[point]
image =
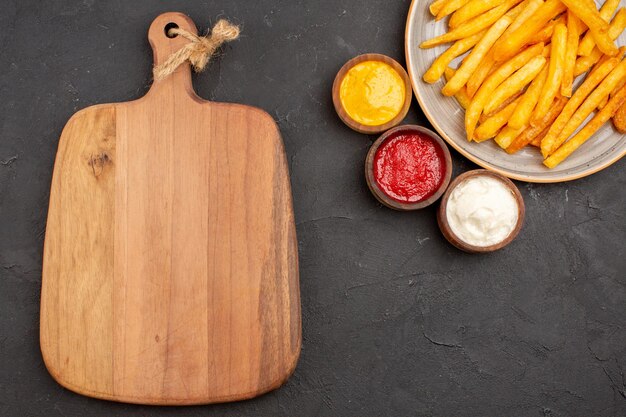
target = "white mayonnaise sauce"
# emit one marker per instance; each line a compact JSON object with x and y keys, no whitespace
{"x":482,"y":211}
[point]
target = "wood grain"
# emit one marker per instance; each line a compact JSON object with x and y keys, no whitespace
{"x":170,"y":264}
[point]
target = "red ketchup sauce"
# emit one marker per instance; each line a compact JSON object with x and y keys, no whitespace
{"x":409,"y":167}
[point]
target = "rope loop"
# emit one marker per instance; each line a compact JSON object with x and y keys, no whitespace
{"x":199,"y":50}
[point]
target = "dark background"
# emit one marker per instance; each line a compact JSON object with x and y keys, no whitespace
{"x":396,"y":322}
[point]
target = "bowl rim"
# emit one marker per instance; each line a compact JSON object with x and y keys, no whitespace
{"x":446,"y":230}
{"x":343,"y":114}
{"x":380,"y":195}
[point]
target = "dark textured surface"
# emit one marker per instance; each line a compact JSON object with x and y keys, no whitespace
{"x":396,"y":322}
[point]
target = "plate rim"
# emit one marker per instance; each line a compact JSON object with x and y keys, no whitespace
{"x":484,"y":164}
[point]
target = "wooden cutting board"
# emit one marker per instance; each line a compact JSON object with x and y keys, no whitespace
{"x":170,"y":270}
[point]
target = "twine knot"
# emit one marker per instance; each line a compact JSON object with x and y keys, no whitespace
{"x":199,"y":50}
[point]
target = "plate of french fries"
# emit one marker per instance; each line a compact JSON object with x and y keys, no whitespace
{"x":532,"y":89}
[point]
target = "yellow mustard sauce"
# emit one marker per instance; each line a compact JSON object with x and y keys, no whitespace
{"x":372,"y":93}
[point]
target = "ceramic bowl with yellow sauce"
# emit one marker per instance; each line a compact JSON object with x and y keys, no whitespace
{"x":372,"y":93}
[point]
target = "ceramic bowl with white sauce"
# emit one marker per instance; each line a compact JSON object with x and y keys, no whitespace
{"x":481,"y":211}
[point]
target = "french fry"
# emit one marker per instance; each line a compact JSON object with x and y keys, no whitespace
{"x":619,"y":87}
{"x":549,"y":143}
{"x":620,"y":55}
{"x":515,"y":83}
{"x":591,"y":3}
{"x":516,"y":40}
{"x":601,"y":61}
{"x":545,"y":34}
{"x":606,"y":12}
{"x":472,"y":9}
{"x":471,"y":27}
{"x":529,"y":9}
{"x":450,"y":7}
{"x":583,"y":26}
{"x":436,"y":6}
{"x":588,"y":106}
{"x":472,"y":61}
{"x":505,"y":103}
{"x":586,"y":132}
{"x":598,"y":27}
{"x":604,"y":101}
{"x":515,"y":11}
{"x":618,"y":24}
{"x":492,"y":125}
{"x":461,"y":97}
{"x":440,"y":64}
{"x":584,"y":63}
{"x":573,"y":35}
{"x":507,"y":135}
{"x":619,"y":119}
{"x":525,"y":107}
{"x":486,"y":116}
{"x":492,"y":82}
{"x":487,"y":65}
{"x":536,"y":142}
{"x":612,"y":94}
{"x":555,"y":74}
{"x":532,"y":132}
{"x":485,"y":68}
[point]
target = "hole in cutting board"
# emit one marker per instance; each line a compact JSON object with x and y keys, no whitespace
{"x":169,"y":26}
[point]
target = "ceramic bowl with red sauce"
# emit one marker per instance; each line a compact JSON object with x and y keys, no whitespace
{"x":408,"y":168}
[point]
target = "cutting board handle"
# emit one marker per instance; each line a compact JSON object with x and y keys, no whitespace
{"x":163,"y":46}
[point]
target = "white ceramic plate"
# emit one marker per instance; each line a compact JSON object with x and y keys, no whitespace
{"x":604,"y":148}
